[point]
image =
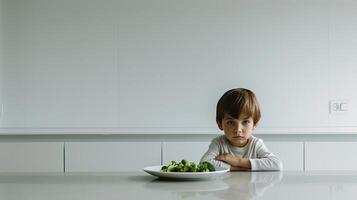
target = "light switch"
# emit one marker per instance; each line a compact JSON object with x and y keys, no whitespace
{"x":338,"y":106}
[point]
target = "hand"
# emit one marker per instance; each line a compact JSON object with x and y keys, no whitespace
{"x":235,"y":161}
{"x":230,"y":159}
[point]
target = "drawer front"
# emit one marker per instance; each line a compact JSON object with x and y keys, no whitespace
{"x":31,"y":157}
{"x":111,"y":156}
{"x":331,"y":156}
{"x":290,"y":153}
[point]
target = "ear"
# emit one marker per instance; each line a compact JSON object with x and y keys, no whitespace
{"x":255,"y":125}
{"x":220,"y":126}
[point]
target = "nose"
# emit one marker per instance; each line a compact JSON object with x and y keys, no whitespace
{"x":238,"y":129}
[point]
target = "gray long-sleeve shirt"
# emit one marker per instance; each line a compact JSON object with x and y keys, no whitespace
{"x":258,"y":154}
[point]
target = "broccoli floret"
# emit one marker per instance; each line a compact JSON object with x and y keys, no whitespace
{"x":205,"y":167}
{"x":172,"y":168}
{"x":209,"y":166}
{"x":186,"y":166}
{"x":164,"y":168}
{"x":190,"y":167}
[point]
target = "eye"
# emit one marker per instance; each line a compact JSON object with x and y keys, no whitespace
{"x":246,"y":122}
{"x":230,"y":123}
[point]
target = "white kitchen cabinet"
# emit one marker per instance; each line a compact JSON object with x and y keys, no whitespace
{"x":331,"y":155}
{"x":31,"y":157}
{"x":290,"y":153}
{"x":111,"y":156}
{"x":191,"y":151}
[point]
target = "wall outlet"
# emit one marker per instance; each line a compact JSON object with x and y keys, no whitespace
{"x":338,"y":106}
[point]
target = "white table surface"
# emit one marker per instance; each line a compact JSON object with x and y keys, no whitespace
{"x":139,"y":185}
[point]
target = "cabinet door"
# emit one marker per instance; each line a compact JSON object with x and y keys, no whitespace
{"x":191,"y":151}
{"x":31,"y":157}
{"x":111,"y":156}
{"x":290,"y":153}
{"x":331,"y":155}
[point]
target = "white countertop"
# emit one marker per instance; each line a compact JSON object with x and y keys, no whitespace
{"x":139,"y":185}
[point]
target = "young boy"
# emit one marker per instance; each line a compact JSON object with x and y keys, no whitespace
{"x":237,"y":115}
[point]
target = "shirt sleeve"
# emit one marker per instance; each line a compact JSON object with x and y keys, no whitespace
{"x":211,"y":154}
{"x":265,"y":160}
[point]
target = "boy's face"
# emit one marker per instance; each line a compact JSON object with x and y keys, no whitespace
{"x":237,"y":131}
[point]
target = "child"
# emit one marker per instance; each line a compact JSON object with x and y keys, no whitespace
{"x":237,"y":115}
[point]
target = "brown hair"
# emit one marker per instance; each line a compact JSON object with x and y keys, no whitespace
{"x":238,"y":102}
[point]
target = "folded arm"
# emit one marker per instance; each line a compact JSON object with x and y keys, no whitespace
{"x":266,"y":160}
{"x":211,"y":154}
{"x":237,"y":163}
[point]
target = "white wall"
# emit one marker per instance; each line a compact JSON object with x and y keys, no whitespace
{"x":1,"y":65}
{"x":343,"y":46}
{"x":164,"y":64}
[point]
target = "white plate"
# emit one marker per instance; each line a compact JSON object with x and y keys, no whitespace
{"x":156,"y":171}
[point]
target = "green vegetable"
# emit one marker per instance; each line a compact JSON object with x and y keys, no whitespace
{"x":185,"y":166}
